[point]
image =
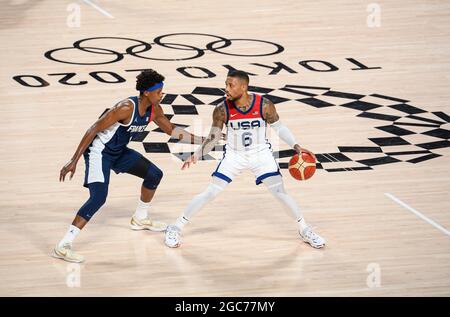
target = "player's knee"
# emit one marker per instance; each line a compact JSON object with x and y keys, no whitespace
{"x":277,"y":190}
{"x":98,"y":193}
{"x":159,"y":174}
{"x":100,"y":199}
{"x":153,"y":177}
{"x":211,"y":192}
{"x":215,"y":192}
{"x":208,"y":195}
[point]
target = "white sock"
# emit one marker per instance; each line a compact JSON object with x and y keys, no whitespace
{"x":141,"y":210}
{"x":181,"y":222}
{"x":301,"y":224}
{"x":69,"y":236}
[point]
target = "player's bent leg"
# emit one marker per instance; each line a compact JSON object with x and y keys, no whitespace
{"x":173,"y":232}
{"x":216,"y":186}
{"x":97,"y":198}
{"x":152,"y":176}
{"x":275,"y":185}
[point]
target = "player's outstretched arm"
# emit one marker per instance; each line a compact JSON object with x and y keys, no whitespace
{"x":119,"y":112}
{"x":219,"y":118}
{"x":171,"y":129}
{"x":272,"y":117}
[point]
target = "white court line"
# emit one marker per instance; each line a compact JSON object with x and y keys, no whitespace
{"x":418,"y":214}
{"x":99,"y":9}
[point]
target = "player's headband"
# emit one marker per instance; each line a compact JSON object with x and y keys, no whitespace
{"x":155,"y":86}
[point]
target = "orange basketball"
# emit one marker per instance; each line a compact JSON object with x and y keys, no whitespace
{"x":302,"y":168}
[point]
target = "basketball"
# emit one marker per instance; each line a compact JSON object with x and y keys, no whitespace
{"x":302,"y":168}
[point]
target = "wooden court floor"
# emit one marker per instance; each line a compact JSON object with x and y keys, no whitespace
{"x":364,"y":85}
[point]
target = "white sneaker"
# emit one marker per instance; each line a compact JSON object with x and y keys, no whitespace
{"x":173,"y":236}
{"x":147,"y":224}
{"x":66,"y":253}
{"x":312,"y":238}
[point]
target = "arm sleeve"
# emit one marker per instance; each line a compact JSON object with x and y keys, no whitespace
{"x":284,"y":133}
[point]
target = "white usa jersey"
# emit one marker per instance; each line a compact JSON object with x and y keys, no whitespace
{"x":246,"y":131}
{"x":247,"y":147}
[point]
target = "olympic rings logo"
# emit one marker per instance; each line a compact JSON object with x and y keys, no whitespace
{"x":218,"y":44}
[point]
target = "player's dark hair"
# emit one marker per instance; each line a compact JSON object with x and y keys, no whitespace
{"x":239,"y":74}
{"x":148,"y":78}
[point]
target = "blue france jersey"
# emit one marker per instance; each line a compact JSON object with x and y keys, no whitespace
{"x":113,"y":140}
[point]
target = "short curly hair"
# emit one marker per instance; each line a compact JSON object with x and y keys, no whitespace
{"x":148,"y":78}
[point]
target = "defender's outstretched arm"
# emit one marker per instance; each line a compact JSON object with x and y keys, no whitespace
{"x":171,"y":129}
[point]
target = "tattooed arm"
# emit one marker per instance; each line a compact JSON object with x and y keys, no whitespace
{"x":272,"y":118}
{"x":219,"y":118}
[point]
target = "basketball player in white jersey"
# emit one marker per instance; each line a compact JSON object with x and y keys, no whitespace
{"x":246,"y":117}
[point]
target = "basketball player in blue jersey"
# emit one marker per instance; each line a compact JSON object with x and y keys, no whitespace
{"x":246,"y":117}
{"x":104,"y":147}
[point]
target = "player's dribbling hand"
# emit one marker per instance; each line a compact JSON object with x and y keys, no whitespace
{"x":71,"y":166}
{"x":190,"y":160}
{"x":299,"y":150}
